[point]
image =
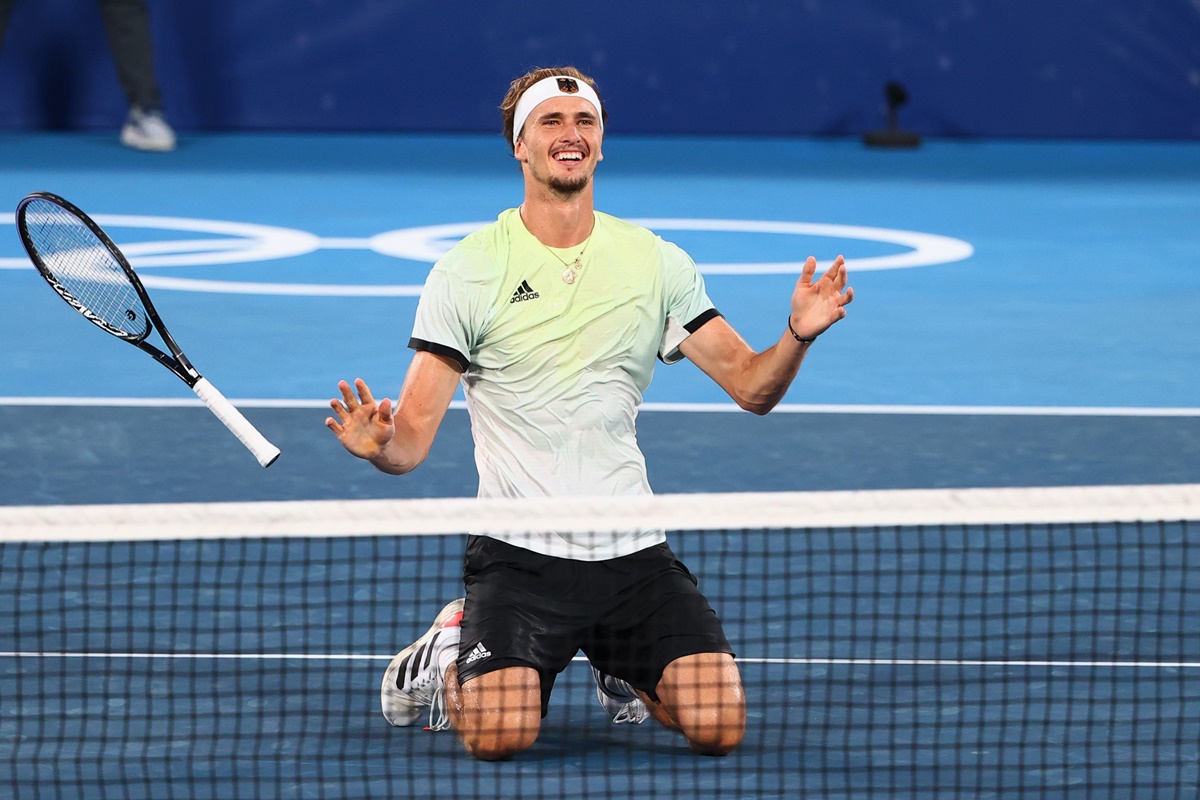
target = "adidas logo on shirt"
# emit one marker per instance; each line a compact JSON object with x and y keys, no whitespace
{"x":524,"y":292}
{"x":477,"y":652}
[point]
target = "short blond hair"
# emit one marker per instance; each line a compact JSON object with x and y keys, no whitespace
{"x":508,"y":108}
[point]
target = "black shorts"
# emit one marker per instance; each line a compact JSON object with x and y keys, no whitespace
{"x":631,"y":616}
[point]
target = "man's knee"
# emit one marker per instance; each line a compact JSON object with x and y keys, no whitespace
{"x":715,"y":738}
{"x":497,"y":745}
{"x":704,"y":696}
{"x":498,"y":714}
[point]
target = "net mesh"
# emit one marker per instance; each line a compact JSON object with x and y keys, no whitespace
{"x":984,"y":658}
{"x":82,"y":269}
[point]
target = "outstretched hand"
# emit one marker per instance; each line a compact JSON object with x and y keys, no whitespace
{"x":363,"y":426}
{"x":818,"y":305}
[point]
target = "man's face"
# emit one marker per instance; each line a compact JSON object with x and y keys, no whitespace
{"x":560,"y":145}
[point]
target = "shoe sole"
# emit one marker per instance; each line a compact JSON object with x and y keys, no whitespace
{"x":389,"y":675}
{"x":146,"y":145}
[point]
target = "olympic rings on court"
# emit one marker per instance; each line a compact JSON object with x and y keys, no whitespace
{"x":244,"y":242}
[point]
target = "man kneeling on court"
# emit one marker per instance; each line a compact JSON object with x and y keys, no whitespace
{"x":552,"y":319}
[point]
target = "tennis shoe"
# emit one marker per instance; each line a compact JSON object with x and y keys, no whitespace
{"x":619,"y":699}
{"x":413,"y":680}
{"x":147,"y":129}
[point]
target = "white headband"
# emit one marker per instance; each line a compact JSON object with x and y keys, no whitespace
{"x":554,"y":86}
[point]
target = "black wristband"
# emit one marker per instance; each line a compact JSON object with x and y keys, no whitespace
{"x":797,"y":336}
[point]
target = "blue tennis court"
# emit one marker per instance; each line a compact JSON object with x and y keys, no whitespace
{"x":1028,"y":311}
{"x":1024,"y":317}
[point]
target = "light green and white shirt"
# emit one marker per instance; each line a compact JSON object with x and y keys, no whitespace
{"x":555,"y":370}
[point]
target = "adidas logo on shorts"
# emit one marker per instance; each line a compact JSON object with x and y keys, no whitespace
{"x":477,"y":652}
{"x":524,"y":292}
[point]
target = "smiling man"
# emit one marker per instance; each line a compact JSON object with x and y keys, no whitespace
{"x":552,"y":319}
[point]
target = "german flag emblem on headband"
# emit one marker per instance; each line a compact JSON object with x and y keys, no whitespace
{"x":547,"y":88}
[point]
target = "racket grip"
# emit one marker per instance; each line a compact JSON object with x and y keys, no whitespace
{"x":255,"y":442}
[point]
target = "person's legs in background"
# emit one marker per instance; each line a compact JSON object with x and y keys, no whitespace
{"x":128,"y":25}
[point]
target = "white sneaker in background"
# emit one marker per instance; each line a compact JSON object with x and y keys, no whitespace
{"x":147,"y":130}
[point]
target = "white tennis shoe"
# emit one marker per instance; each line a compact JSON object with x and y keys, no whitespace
{"x":619,"y":699}
{"x":413,"y":679}
{"x":147,"y":130}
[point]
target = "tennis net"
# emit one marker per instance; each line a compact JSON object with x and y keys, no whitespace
{"x":1007,"y":643}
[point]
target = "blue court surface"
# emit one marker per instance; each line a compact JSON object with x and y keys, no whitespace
{"x":1025,"y":315}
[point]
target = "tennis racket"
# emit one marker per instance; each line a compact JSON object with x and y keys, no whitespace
{"x":87,"y":270}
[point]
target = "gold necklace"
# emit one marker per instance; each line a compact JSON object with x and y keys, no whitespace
{"x":573,"y":268}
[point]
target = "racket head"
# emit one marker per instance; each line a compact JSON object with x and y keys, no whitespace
{"x":85,"y":267}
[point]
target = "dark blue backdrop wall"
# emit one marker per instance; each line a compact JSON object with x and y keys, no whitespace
{"x":994,"y":68}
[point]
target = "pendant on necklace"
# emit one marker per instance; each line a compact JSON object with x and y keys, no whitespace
{"x":569,"y":274}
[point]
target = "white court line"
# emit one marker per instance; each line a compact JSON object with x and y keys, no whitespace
{"x":783,"y":408}
{"x":853,"y":662}
{"x":345,"y":243}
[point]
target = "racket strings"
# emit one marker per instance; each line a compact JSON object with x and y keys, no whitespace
{"x":85,"y":271}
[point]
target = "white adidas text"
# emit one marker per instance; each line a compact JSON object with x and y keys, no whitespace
{"x":477,"y":652}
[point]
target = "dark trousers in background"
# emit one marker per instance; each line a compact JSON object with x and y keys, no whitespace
{"x":128,"y":26}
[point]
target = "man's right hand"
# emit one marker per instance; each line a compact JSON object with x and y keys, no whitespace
{"x":363,"y":426}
